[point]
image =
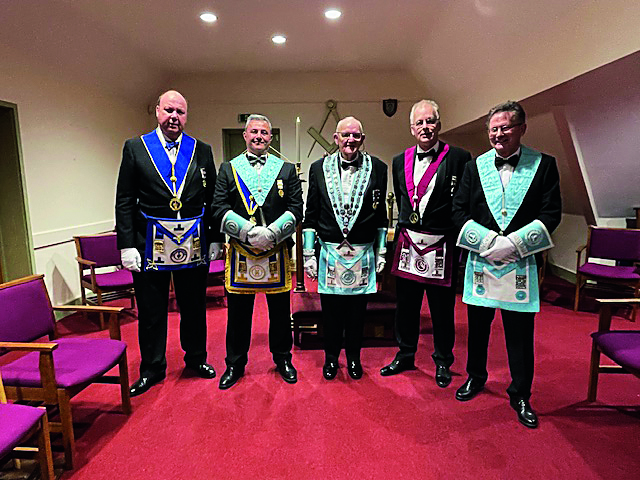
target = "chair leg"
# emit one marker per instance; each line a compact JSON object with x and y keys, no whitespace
{"x":576,"y":300}
{"x":44,"y":450}
{"x":100,"y":315}
{"x":68,"y":437}
{"x":123,"y":370}
{"x":593,"y":373}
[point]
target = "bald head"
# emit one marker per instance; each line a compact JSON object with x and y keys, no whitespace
{"x":349,"y":137}
{"x":171,"y":112}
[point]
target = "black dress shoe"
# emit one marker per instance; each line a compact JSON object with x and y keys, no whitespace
{"x":526,"y":415}
{"x":354,"y":367}
{"x":203,"y":370}
{"x":145,"y":383}
{"x":469,"y":389}
{"x":287,"y":371}
{"x":397,"y":366}
{"x":230,"y":377}
{"x":443,"y":376}
{"x":330,"y":370}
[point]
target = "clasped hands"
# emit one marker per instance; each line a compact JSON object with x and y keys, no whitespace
{"x":261,"y":238}
{"x":502,"y":250}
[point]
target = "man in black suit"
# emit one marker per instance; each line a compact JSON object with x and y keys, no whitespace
{"x":507,"y":206}
{"x":425,"y":178}
{"x":345,"y":211}
{"x":258,"y":203}
{"x":163,"y":203}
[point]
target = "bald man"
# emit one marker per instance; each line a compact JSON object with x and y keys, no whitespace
{"x":163,"y":221}
{"x":346,"y":215}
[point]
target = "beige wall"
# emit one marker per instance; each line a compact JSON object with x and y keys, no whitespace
{"x":71,"y":140}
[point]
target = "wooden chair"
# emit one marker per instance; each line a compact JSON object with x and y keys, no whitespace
{"x":53,"y":372}
{"x":21,"y":423}
{"x":621,"y":346}
{"x":621,"y":245}
{"x":99,"y":252}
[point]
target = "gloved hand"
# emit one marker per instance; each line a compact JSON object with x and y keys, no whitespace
{"x":311,"y":266}
{"x":130,"y":258}
{"x":216,"y":251}
{"x":503,"y":250}
{"x":261,"y":238}
{"x":380,"y":262}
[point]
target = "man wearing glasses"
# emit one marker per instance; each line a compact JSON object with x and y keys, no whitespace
{"x":345,"y":213}
{"x":507,"y":206}
{"x":425,"y":178}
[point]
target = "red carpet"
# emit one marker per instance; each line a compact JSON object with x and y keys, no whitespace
{"x":402,"y":427}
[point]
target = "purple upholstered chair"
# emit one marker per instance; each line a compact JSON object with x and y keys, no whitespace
{"x":20,"y":423}
{"x":53,"y":372}
{"x":621,"y":346}
{"x":619,"y":244}
{"x":216,"y":275}
{"x":99,"y":251}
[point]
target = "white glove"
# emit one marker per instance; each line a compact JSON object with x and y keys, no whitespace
{"x":380,"y":262}
{"x":311,"y":266}
{"x":130,"y":258}
{"x":503,"y":250}
{"x":261,"y":238}
{"x":216,"y":251}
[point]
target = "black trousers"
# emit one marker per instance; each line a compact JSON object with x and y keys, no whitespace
{"x":518,"y":332}
{"x":239,"y":319}
{"x":442,"y":302}
{"x":152,"y":295}
{"x":343,"y":314}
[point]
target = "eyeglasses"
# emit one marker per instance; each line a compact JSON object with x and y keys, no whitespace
{"x":426,"y":121}
{"x":355,"y":135}
{"x":504,"y":129}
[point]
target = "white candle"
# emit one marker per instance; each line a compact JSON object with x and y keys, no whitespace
{"x":298,"y":140}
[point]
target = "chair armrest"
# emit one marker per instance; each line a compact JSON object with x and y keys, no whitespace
{"x":113,"y":320}
{"x":47,"y":371}
{"x":604,"y":320}
{"x":580,"y":248}
{"x":28,"y":346}
{"x":88,"y":263}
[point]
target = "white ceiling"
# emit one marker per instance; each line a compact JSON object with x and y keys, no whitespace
{"x":466,"y":53}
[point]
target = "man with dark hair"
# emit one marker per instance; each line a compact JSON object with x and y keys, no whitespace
{"x":163,"y":222}
{"x":507,"y":206}
{"x":345,"y":213}
{"x":258,"y":203}
{"x":425,"y":178}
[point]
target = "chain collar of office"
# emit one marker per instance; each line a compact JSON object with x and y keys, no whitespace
{"x":346,"y":208}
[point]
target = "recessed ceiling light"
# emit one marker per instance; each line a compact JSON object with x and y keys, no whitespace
{"x":333,"y":13}
{"x":279,"y":39}
{"x":208,"y":17}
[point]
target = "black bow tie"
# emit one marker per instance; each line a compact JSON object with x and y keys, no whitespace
{"x":423,"y":155}
{"x":344,"y":164}
{"x":172,"y":145}
{"x":512,"y":160}
{"x":254,"y":159}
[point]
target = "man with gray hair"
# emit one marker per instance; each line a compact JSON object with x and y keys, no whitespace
{"x":345,"y":213}
{"x":425,"y":178}
{"x":258,"y":203}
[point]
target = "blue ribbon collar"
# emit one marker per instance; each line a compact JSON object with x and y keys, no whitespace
{"x":253,"y":186}
{"x":517,"y":188}
{"x":160,"y":159}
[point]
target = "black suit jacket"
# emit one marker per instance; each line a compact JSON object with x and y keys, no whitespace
{"x":227,"y":197}
{"x":141,"y":189}
{"x":541,"y":202}
{"x":319,"y":213}
{"x":437,"y":215}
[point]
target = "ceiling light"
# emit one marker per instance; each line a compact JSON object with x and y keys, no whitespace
{"x":208,"y":17}
{"x":279,"y":39}
{"x":333,"y":13}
